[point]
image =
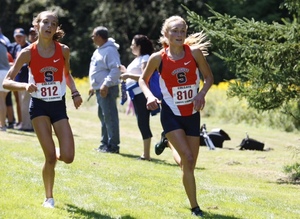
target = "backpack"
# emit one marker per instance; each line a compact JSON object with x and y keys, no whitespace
{"x":251,"y":144}
{"x":217,"y":136}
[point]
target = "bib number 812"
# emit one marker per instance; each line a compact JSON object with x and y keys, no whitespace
{"x":49,"y":91}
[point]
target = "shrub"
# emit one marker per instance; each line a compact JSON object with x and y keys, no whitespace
{"x":235,"y":110}
{"x":293,"y":171}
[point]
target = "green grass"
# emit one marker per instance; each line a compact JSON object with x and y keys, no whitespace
{"x":231,"y":183}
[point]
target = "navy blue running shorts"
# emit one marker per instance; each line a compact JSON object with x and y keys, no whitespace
{"x":8,"y":99}
{"x":190,"y":124}
{"x":55,"y":110}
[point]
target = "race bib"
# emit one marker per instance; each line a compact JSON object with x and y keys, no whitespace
{"x":183,"y":95}
{"x":50,"y":91}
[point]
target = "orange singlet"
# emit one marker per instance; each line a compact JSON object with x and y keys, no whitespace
{"x":48,"y":74}
{"x":179,"y":82}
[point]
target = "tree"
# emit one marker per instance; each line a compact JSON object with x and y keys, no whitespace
{"x":264,"y":58}
{"x":124,"y":19}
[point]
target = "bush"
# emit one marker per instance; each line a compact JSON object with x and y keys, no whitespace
{"x":236,"y":111}
{"x":293,"y":171}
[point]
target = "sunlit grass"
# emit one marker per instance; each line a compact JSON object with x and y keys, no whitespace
{"x":231,"y":183}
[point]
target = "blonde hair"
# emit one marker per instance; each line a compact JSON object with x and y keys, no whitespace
{"x":198,"y":40}
{"x":59,"y":32}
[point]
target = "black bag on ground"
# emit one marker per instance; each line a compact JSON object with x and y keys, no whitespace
{"x":217,"y":136}
{"x":251,"y":144}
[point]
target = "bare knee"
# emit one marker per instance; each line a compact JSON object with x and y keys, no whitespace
{"x":188,"y":161}
{"x":67,"y":158}
{"x":51,"y":160}
{"x":66,"y":155}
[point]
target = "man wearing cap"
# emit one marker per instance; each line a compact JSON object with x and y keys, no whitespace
{"x":104,"y":74}
{"x":32,"y":35}
{"x":22,"y":97}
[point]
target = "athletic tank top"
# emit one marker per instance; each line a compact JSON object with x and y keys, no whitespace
{"x":47,"y":74}
{"x":179,"y":82}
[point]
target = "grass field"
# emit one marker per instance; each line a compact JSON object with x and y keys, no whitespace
{"x":231,"y":183}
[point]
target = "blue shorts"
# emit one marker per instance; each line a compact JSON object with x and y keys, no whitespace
{"x":8,"y":99}
{"x":190,"y":124}
{"x":55,"y":110}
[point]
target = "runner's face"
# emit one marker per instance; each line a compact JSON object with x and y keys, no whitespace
{"x":48,"y":25}
{"x":176,"y":33}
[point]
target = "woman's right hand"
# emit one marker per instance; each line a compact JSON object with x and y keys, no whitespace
{"x":152,"y":103}
{"x":30,"y":88}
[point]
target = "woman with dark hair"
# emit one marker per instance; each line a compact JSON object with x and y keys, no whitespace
{"x":142,"y":48}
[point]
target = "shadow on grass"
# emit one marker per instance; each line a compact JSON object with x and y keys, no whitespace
{"x":288,"y":181}
{"x":156,"y":161}
{"x":77,"y":212}
{"x":27,"y":133}
{"x":19,"y":132}
{"x":152,"y":160}
{"x":219,"y":216}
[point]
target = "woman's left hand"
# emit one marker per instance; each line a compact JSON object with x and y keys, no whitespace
{"x":77,"y":101}
{"x":199,"y":102}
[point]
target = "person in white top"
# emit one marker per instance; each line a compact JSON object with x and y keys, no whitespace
{"x":142,"y":48}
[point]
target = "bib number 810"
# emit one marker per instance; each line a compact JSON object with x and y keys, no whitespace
{"x":183,"y":95}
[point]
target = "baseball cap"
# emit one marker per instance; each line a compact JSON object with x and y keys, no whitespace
{"x":19,"y":32}
{"x":31,"y":30}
